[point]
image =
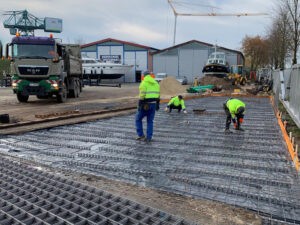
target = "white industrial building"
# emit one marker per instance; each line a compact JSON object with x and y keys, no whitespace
{"x":189,"y":58}
{"x":127,"y":52}
{"x":186,"y":59}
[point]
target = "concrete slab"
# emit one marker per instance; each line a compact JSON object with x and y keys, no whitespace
{"x":190,"y":155}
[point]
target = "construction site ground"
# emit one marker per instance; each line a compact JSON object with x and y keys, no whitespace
{"x":191,"y":170}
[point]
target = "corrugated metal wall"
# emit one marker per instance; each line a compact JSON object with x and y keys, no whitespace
{"x":188,"y":60}
{"x":166,"y":64}
{"x":191,"y":62}
{"x":129,"y":58}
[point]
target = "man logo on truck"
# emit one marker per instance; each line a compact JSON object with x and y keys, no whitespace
{"x":33,"y":70}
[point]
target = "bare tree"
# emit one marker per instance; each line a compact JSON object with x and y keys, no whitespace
{"x":279,"y":38}
{"x":256,"y":50}
{"x":292,"y":7}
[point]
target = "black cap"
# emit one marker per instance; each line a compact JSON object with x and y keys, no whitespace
{"x":146,"y":73}
{"x":241,"y":110}
{"x":180,"y":97}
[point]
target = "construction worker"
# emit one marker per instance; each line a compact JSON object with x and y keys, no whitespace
{"x":196,"y":82}
{"x":148,"y":104}
{"x":151,"y":74}
{"x":234,"y":109}
{"x":176,"y":102}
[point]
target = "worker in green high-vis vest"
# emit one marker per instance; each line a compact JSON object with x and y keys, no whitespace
{"x":235,"y":110}
{"x":148,"y":104}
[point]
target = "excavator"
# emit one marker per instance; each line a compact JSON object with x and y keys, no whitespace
{"x":237,"y":75}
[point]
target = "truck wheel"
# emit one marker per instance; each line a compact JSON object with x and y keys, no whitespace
{"x":78,"y":89}
{"x":22,"y":98}
{"x":62,"y":96}
{"x":81,"y":85}
{"x":75,"y":92}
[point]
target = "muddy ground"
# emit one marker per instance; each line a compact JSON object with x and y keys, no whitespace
{"x":98,"y":98}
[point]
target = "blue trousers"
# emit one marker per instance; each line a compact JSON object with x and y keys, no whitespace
{"x":141,"y":113}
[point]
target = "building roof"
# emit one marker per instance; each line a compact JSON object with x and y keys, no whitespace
{"x":116,"y":40}
{"x":200,"y":42}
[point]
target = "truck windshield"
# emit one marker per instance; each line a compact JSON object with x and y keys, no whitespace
{"x":33,"y":51}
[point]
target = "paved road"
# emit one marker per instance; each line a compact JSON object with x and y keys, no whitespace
{"x":91,"y":99}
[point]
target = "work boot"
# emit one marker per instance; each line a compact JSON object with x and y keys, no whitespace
{"x":141,"y":138}
{"x":227,"y":131}
{"x":148,"y":140}
{"x":239,"y":129}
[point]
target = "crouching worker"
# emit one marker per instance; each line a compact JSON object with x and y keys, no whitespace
{"x":176,"y":102}
{"x":234,"y":109}
{"x":148,"y":104}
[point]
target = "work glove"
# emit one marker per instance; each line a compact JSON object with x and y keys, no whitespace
{"x":184,"y":111}
{"x":235,"y":125}
{"x":167,"y":109}
{"x":241,"y":120}
{"x":140,"y":104}
{"x":157,"y":105}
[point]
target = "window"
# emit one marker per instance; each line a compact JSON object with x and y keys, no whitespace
{"x":33,"y":51}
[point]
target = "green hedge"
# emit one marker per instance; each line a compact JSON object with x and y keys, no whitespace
{"x":4,"y":66}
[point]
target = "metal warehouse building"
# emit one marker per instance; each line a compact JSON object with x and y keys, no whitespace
{"x":188,"y":59}
{"x":128,"y":53}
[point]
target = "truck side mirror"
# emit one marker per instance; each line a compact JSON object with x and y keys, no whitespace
{"x":7,"y":51}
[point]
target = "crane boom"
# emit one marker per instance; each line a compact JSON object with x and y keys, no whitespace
{"x":25,"y":23}
{"x":206,"y":14}
{"x":222,"y":14}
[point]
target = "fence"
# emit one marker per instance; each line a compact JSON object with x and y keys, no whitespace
{"x":5,"y":82}
{"x":286,"y":85}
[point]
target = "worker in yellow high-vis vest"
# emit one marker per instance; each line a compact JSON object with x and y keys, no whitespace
{"x":234,"y":109}
{"x":176,"y":102}
{"x":148,"y":103}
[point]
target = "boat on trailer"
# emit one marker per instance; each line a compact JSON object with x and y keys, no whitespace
{"x":216,"y":65}
{"x":95,"y":69}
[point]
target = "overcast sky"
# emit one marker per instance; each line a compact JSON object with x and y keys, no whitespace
{"x":148,"y":22}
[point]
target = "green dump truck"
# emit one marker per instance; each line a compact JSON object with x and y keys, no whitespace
{"x":44,"y":67}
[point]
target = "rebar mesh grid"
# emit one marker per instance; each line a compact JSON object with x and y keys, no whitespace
{"x":190,"y":154}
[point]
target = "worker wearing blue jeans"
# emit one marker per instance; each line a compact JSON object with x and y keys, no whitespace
{"x":149,"y":113}
{"x":148,"y":103}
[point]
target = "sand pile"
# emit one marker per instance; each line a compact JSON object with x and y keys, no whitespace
{"x":170,"y":86}
{"x":226,"y":84}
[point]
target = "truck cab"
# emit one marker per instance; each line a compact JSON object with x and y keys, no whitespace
{"x":44,"y":67}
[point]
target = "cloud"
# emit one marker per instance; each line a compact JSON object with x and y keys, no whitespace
{"x":136,"y":32}
{"x":148,"y":22}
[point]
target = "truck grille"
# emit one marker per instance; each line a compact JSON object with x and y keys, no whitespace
{"x":33,"y":70}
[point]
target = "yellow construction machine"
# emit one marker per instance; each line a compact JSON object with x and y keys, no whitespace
{"x":237,"y":75}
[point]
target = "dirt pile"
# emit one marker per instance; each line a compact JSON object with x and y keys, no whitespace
{"x":170,"y":86}
{"x":226,"y":84}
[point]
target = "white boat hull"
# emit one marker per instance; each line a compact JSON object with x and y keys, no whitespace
{"x":100,"y":70}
